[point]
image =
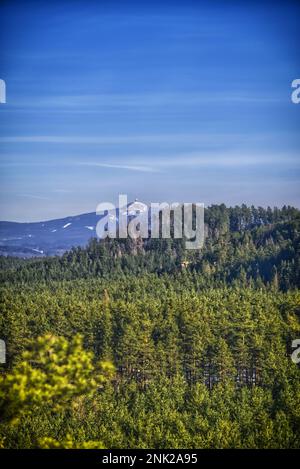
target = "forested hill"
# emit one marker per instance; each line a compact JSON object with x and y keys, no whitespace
{"x":199,"y":343}
{"x":244,"y":245}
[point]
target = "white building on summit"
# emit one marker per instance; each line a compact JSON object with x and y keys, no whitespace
{"x":136,"y":207}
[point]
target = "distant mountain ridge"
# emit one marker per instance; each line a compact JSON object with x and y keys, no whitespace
{"x":55,"y":237}
{"x":52,"y":237}
{"x":249,"y":245}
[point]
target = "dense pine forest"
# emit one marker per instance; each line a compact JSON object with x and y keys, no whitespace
{"x":143,"y":344}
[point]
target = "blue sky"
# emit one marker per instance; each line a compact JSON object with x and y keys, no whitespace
{"x":164,"y":101}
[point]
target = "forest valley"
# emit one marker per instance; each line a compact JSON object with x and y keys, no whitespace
{"x":143,"y":344}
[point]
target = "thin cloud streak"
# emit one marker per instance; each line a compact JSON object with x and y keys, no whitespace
{"x":154,"y":163}
{"x":32,"y":196}
{"x":144,"y":169}
{"x":229,"y":159}
{"x":146,"y":100}
{"x":234,"y":160}
{"x":185,"y":138}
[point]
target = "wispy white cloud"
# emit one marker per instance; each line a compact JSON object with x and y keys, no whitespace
{"x":148,"y":162}
{"x":217,"y":160}
{"x":62,"y":191}
{"x":172,"y":138}
{"x":226,"y":159}
{"x":33,"y":196}
{"x":119,"y":101}
{"x":105,"y":140}
{"x":129,"y":167}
